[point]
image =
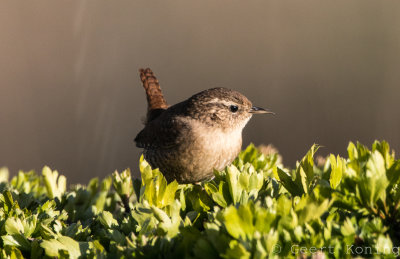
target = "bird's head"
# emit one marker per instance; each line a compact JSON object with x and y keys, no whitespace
{"x":222,"y":107}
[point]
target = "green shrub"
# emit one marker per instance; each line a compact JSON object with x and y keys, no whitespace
{"x":255,"y":208}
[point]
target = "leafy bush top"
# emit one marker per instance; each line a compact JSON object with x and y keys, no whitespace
{"x":255,"y":208}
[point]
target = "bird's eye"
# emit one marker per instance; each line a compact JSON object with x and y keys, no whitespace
{"x":233,"y":108}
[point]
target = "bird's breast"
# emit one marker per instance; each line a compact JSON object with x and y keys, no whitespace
{"x":213,"y":147}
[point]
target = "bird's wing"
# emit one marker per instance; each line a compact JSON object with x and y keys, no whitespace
{"x":161,"y":133}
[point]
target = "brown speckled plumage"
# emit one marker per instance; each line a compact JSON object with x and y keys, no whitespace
{"x":190,"y":139}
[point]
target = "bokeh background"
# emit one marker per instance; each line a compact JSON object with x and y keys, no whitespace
{"x":70,"y":95}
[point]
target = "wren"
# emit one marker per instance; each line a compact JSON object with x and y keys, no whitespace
{"x":190,"y":139}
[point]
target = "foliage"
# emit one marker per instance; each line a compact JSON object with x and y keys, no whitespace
{"x":255,"y":208}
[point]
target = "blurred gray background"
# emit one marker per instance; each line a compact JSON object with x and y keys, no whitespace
{"x":71,"y":97}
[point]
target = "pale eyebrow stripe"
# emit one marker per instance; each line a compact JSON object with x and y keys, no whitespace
{"x":226,"y":103}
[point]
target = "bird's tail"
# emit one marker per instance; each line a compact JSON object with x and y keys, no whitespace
{"x":155,"y":99}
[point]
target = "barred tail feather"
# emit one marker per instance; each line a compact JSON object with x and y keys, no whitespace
{"x":155,"y":99}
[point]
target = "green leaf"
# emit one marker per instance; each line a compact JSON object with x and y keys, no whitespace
{"x":55,"y":188}
{"x":155,"y":188}
{"x":347,"y":228}
{"x":8,"y":201}
{"x":107,"y":219}
{"x":337,"y":169}
{"x":239,"y":222}
{"x":232,"y":176}
{"x":54,"y":246}
{"x":236,"y":250}
{"x":384,"y":245}
{"x":123,"y":182}
{"x":4,"y":174}
{"x":17,"y":240}
{"x":293,"y":187}
{"x":168,"y":226}
{"x":11,"y":252}
{"x":168,"y":196}
{"x":14,"y":226}
{"x":216,"y":194}
{"x":393,"y":173}
{"x":307,"y":163}
{"x":373,"y":182}
{"x":312,"y":210}
{"x":384,"y":148}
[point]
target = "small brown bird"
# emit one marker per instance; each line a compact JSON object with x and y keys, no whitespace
{"x":186,"y":141}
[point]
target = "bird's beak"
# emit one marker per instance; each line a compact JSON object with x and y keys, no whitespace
{"x":258,"y":110}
